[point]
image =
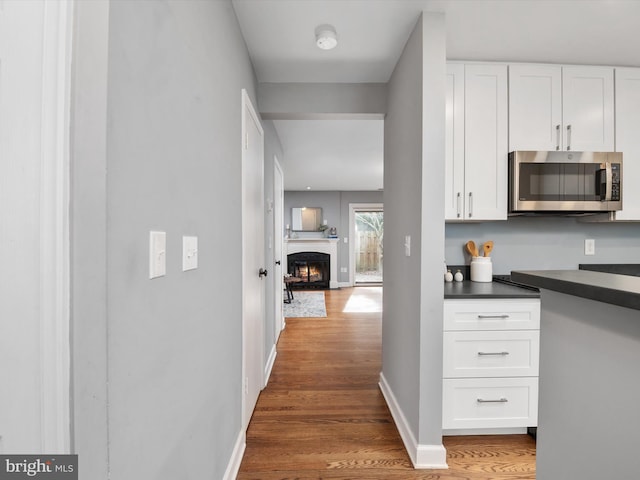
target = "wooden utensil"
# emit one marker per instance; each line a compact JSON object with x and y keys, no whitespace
{"x":487,"y":247}
{"x":472,"y":249}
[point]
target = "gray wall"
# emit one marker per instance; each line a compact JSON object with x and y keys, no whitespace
{"x":413,"y":200}
{"x":403,"y":206}
{"x":545,"y":242}
{"x":302,"y":101}
{"x":335,"y":209}
{"x":88,"y":235}
{"x":432,"y":222}
{"x":173,"y":163}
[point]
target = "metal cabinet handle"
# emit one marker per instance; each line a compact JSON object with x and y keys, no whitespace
{"x":278,"y":262}
{"x":558,"y":137}
{"x":485,"y":354}
{"x":470,"y":204}
{"x":499,"y":400}
{"x":459,"y":199}
{"x":568,"y":137}
{"x":262,"y":273}
{"x":503,"y":316}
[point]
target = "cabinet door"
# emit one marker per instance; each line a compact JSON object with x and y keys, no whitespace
{"x":485,"y":142}
{"x":454,"y":157}
{"x":535,"y":107}
{"x":628,"y":139}
{"x":587,"y":100}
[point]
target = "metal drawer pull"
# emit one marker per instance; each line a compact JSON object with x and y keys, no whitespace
{"x":501,"y":400}
{"x":493,"y":316}
{"x":483,"y":354}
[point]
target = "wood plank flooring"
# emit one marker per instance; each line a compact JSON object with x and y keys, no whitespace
{"x":322,"y":416}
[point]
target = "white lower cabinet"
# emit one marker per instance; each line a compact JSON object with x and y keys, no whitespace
{"x":490,"y":402}
{"x":490,"y":364}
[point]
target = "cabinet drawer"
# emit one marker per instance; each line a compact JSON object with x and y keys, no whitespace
{"x":489,"y":403}
{"x":491,"y":353}
{"x":507,"y":314}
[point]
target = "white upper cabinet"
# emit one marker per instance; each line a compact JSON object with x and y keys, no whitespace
{"x":454,"y":151}
{"x":587,"y":104}
{"x":628,"y":139}
{"x":535,"y":107}
{"x":476,"y":150}
{"x":561,"y":108}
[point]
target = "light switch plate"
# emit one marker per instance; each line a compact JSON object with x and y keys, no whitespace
{"x":157,"y":254}
{"x":189,"y":253}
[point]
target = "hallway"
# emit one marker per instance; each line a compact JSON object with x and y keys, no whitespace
{"x":322,"y":416}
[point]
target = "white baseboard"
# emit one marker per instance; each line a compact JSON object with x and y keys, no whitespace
{"x":269,"y":366}
{"x":236,"y":457}
{"x":422,"y":456}
{"x":345,"y":284}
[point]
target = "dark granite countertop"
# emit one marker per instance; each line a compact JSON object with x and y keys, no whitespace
{"x":621,"y":290}
{"x":478,"y":290}
{"x":618,"y":268}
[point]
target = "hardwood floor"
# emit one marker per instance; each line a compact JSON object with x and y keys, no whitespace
{"x":322,"y":416}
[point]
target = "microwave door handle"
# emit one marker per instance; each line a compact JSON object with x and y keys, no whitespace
{"x":609,"y":181}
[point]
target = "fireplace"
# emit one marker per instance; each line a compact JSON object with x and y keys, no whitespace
{"x":312,"y":268}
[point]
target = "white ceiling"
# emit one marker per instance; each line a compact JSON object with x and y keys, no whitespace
{"x":371,"y":33}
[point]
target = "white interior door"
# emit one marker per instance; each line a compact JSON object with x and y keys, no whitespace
{"x":253,"y":283}
{"x":280,"y":258}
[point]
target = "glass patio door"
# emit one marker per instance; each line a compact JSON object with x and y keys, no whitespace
{"x":368,"y":248}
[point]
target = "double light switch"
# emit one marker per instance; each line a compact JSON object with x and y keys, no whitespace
{"x":158,"y":254}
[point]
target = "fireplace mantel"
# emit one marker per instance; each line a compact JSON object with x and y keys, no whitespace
{"x":322,"y":245}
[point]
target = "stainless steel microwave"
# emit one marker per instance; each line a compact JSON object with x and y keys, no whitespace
{"x":567,"y":182}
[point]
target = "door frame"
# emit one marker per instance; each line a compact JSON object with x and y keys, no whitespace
{"x":247,"y":106}
{"x":353,"y":208}
{"x":55,"y":344}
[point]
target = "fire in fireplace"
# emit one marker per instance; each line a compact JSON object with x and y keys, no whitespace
{"x":312,"y":268}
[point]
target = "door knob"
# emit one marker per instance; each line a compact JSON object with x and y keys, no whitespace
{"x":262,"y":273}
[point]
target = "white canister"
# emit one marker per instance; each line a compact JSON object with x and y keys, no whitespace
{"x":481,"y":269}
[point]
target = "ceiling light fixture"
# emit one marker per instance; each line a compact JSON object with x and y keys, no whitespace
{"x":326,"y":37}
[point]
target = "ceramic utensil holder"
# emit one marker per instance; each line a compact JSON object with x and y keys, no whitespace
{"x":481,"y":269}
